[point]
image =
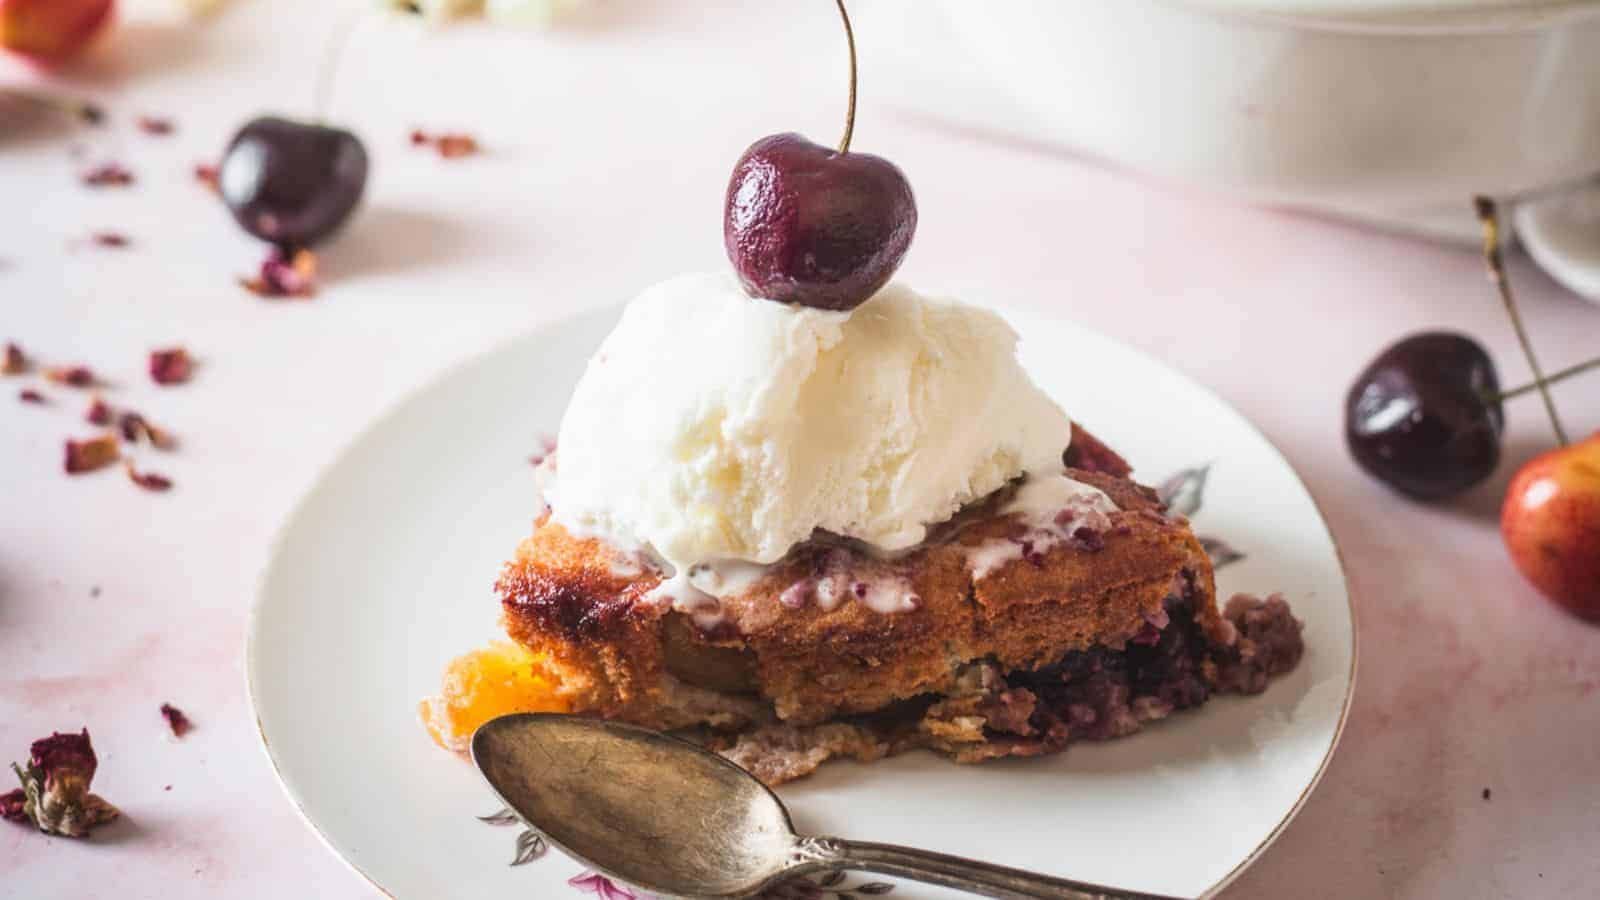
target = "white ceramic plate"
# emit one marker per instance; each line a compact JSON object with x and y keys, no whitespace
{"x":383,"y":574}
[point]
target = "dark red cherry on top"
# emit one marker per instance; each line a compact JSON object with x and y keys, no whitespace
{"x":809,"y":225}
{"x":292,"y":183}
{"x":1425,"y":416}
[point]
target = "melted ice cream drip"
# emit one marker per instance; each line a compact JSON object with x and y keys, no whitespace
{"x":694,"y":591}
{"x":836,"y":580}
{"x":1053,"y":510}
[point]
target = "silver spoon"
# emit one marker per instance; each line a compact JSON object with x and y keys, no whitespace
{"x":679,"y":821}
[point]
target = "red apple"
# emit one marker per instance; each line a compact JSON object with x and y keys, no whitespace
{"x":49,"y":31}
{"x":1551,"y":525}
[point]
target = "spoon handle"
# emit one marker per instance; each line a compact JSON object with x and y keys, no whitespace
{"x":983,"y":879}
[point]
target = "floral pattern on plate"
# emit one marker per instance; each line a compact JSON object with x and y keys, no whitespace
{"x":1184,"y":493}
{"x":832,"y":886}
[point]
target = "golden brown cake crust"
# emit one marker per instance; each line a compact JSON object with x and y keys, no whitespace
{"x":583,"y":602}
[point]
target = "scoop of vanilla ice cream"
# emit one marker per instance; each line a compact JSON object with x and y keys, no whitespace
{"x":713,"y":426}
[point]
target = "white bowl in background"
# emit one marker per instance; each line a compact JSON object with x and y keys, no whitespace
{"x":1387,"y":111}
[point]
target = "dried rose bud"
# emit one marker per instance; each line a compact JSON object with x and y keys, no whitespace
{"x":154,"y":125}
{"x":108,"y":175}
{"x":29,"y":395}
{"x":150,"y":481}
{"x":210,"y":176}
{"x":98,"y":413}
{"x":109,"y":239}
{"x":170,"y":366}
{"x":295,"y":276}
{"x":176,"y":720}
{"x":94,"y":453}
{"x":14,"y":362}
{"x":71,"y":376}
{"x":55,"y":786}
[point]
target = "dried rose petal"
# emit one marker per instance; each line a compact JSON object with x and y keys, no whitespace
{"x":55,"y":787}
{"x":150,"y":481}
{"x":109,"y":239}
{"x":91,"y":113}
{"x":14,"y":362}
{"x":209,"y":175}
{"x":136,"y":428}
{"x":159,"y":438}
{"x":108,"y":175}
{"x":176,"y":720}
{"x":71,"y":376}
{"x":170,"y":366}
{"x":29,"y":395}
{"x":94,"y":453}
{"x":154,"y":125}
{"x":11,"y":803}
{"x":132,"y":426}
{"x":99,"y":412}
{"x":450,"y":145}
{"x":295,"y":276}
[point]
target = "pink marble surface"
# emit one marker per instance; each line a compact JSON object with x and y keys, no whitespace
{"x":608,"y":149}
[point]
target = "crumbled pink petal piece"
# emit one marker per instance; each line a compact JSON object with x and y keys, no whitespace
{"x":208,"y":175}
{"x":11,"y":803}
{"x":108,"y":175}
{"x":601,"y":886}
{"x":150,"y":481}
{"x":109,"y":239}
{"x":280,"y":276}
{"x":71,"y":376}
{"x":155,"y":125}
{"x":170,"y":366}
{"x":98,"y":413}
{"x":29,"y":395}
{"x":450,"y":145}
{"x":135,"y":428}
{"x":94,"y":453}
{"x":176,"y":720}
{"x":14,"y":362}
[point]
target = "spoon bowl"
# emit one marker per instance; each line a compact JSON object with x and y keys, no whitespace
{"x":638,"y":805}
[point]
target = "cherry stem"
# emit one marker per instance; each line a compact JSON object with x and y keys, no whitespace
{"x":80,"y":109}
{"x":1489,"y":215}
{"x":850,"y":113}
{"x":1554,"y":377}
